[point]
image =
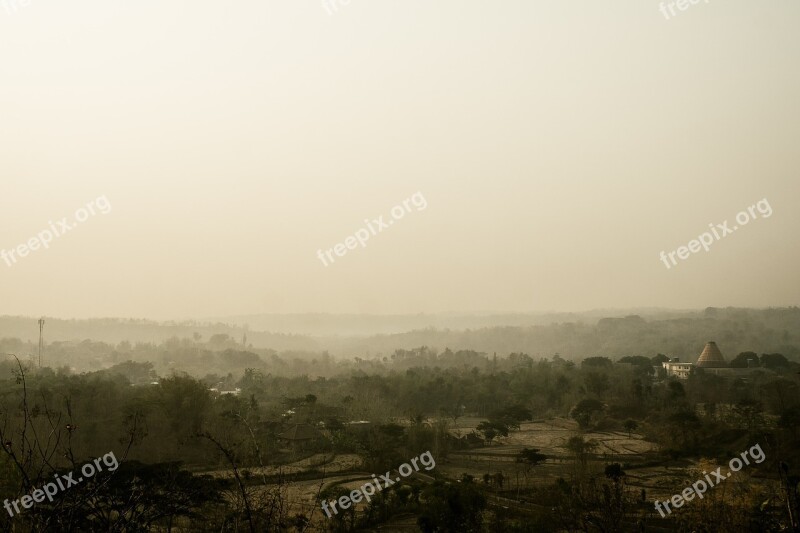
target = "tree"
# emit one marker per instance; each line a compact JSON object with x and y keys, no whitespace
{"x":498,"y":479}
{"x":741,"y":360}
{"x":597,"y":383}
{"x":779,"y":394}
{"x":683,"y":427}
{"x":253,"y":380}
{"x":596,"y":362}
{"x":185,"y":403}
{"x":220,"y":339}
{"x":658,"y":359}
{"x":452,"y":507}
{"x":774,"y":361}
{"x":136,"y":373}
{"x":581,"y":448}
{"x":582,"y":413}
{"x":529,"y":457}
{"x":642,"y":365}
{"x":113,"y":499}
{"x":675,"y":390}
{"x":138,"y":496}
{"x":614,"y":472}
{"x":750,"y":412}
{"x":636,"y":360}
{"x":790,"y":420}
{"x":513,"y":415}
{"x":637,"y":389}
{"x":492,"y":428}
{"x":630,"y":425}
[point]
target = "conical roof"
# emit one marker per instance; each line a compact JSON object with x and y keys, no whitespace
{"x":711,"y":357}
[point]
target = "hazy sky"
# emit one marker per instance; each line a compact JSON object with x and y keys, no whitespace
{"x":560,"y":146}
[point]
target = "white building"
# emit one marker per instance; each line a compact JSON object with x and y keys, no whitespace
{"x":674,"y":368}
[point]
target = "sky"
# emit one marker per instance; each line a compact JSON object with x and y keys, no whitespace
{"x":559,"y":147}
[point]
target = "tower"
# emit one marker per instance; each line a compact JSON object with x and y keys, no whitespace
{"x":41,"y":340}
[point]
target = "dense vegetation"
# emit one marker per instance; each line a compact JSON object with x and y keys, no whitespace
{"x":198,"y":427}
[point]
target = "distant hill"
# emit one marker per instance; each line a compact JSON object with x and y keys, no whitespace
{"x":115,"y":330}
{"x":734,"y":330}
{"x":574,"y":335}
{"x":325,"y":324}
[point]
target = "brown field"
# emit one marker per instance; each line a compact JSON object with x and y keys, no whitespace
{"x":636,"y":454}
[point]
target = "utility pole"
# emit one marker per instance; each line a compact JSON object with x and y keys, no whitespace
{"x":791,"y":494}
{"x":41,"y":340}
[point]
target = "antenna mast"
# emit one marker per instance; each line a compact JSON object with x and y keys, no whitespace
{"x":41,"y":340}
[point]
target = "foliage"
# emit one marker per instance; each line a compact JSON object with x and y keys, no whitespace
{"x":452,"y":507}
{"x":582,"y":413}
{"x":492,"y":428}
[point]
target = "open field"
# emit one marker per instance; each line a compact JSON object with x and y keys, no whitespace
{"x":646,"y":471}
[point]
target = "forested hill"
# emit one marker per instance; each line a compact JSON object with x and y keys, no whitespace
{"x":677,"y":334}
{"x":114,"y":330}
{"x":734,"y":330}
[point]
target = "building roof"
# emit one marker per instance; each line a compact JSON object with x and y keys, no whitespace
{"x":711,"y":357}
